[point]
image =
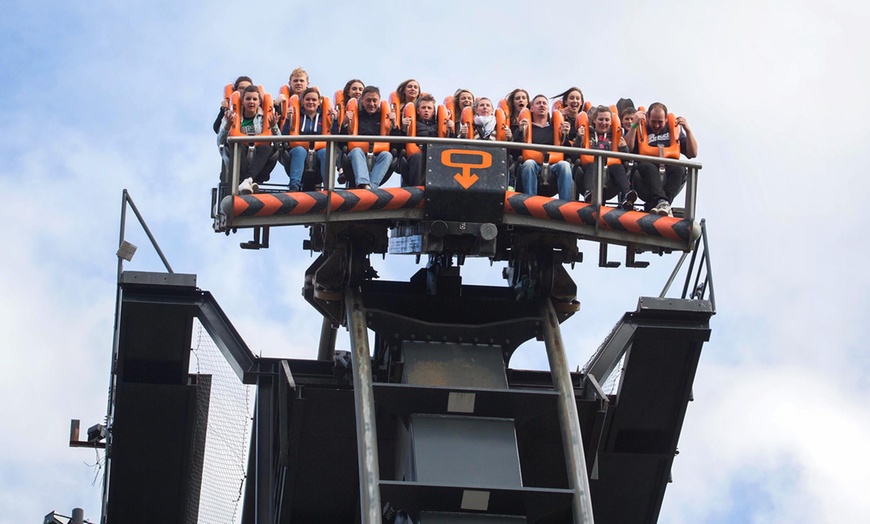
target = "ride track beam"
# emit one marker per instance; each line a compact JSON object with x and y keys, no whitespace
{"x":585,"y":221}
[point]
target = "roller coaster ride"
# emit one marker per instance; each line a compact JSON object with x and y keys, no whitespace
{"x":430,"y":424}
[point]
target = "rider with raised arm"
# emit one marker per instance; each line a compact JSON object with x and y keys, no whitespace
{"x":650,"y":135}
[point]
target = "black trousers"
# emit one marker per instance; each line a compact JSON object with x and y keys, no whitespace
{"x":653,"y":188}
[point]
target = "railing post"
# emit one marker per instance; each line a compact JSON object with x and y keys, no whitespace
{"x":598,"y":189}
{"x":236,"y":169}
{"x":330,"y":167}
{"x":691,"y":193}
{"x":330,"y":179}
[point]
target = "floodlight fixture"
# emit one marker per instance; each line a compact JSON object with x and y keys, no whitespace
{"x":126,"y":251}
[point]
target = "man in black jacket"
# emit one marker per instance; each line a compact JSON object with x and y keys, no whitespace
{"x":426,"y":125}
{"x":542,"y":133}
{"x":369,"y":124}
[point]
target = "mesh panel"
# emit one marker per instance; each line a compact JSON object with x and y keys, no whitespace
{"x":227,"y":433}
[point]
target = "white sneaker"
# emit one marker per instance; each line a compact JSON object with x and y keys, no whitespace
{"x":248,"y":186}
{"x":663,"y":208}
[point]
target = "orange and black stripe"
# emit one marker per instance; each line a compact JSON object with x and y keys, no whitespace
{"x":581,"y":213}
{"x":397,"y":198}
{"x":315,"y":202}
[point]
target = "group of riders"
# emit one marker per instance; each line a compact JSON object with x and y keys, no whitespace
{"x":361,"y":110}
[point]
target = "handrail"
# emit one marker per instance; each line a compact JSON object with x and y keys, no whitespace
{"x":691,"y":188}
{"x":462,"y":141}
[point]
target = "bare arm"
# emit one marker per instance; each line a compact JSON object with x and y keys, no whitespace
{"x":631,"y":136}
{"x":691,"y":143}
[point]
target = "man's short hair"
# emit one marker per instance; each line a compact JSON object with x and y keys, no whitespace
{"x":657,"y":105}
{"x":627,"y":111}
{"x":252,"y":89}
{"x":425,"y":97}
{"x":540,"y":96}
{"x":370,"y":89}
{"x":299,"y":72}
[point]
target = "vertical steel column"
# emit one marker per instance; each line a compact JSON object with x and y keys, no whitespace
{"x":326,"y":351}
{"x":364,"y":400}
{"x":569,"y":420}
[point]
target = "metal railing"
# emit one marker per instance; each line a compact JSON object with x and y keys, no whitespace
{"x":692,"y":167}
{"x":699,"y":280}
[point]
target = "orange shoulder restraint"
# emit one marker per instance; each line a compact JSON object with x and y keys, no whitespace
{"x":556,"y":120}
{"x":672,"y":150}
{"x":615,"y":136}
{"x":375,"y":147}
{"x":506,"y":109}
{"x":395,"y":104}
{"x":325,"y":122}
{"x":340,"y":104}
{"x":410,"y":111}
{"x":500,"y":123}
{"x":442,"y":121}
{"x":285,"y":105}
{"x":467,"y":118}
{"x":268,"y":111}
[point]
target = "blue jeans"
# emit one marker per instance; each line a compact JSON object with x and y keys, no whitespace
{"x":357,"y":159}
{"x":296,"y":166}
{"x":561,"y":172}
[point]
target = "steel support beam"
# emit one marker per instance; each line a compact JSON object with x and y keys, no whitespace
{"x":364,"y":401}
{"x":569,"y":419}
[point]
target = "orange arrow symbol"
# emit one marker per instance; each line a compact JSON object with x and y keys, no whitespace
{"x":466,"y":180}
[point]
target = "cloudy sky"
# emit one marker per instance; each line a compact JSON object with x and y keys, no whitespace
{"x":103,"y":96}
